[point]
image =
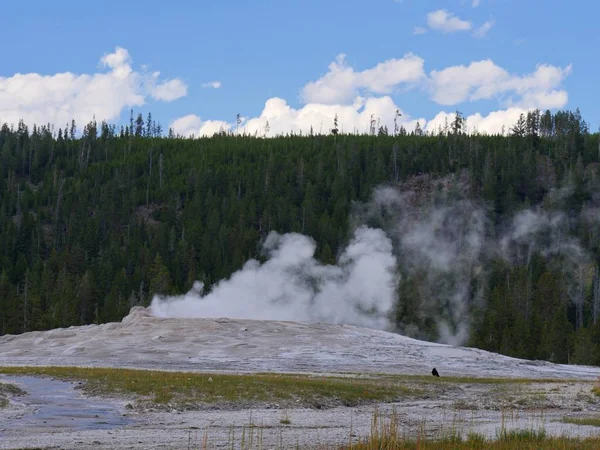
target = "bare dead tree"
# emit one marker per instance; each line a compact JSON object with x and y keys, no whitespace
{"x":596,"y":296}
{"x":25,"y":300}
{"x":160,"y":169}
{"x":150,"y":152}
{"x":398,"y":114}
{"x":57,"y":209}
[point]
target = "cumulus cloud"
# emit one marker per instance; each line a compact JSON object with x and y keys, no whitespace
{"x":476,"y":3}
{"x":545,"y":100}
{"x":341,"y":84}
{"x":483,"y":80}
{"x":169,"y":90}
{"x":446,"y":22}
{"x":338,"y":92}
{"x":482,"y":31}
{"x":193,"y":125}
{"x":212,"y":84}
{"x":58,"y":98}
{"x":282,"y":119}
{"x":356,"y":118}
{"x":496,"y":122}
{"x":480,"y":80}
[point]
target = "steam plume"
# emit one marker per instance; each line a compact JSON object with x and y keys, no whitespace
{"x":293,"y":285}
{"x":416,"y":263}
{"x":439,"y":240}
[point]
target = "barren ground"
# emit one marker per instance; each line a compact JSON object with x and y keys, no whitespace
{"x":243,"y":346}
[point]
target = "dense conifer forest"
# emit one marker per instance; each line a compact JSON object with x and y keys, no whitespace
{"x":93,"y":222}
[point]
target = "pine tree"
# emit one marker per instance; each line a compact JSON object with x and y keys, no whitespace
{"x":139,"y":126}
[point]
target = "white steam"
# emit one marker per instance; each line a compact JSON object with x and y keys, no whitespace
{"x":439,"y":239}
{"x":292,"y":285}
{"x":417,"y":263}
{"x":547,"y":232}
{"x":542,"y":232}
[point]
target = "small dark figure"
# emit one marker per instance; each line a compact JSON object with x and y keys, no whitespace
{"x":435,"y":373}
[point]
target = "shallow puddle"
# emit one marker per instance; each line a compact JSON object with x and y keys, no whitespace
{"x":56,"y":404}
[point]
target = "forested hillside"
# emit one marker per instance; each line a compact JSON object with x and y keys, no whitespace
{"x":96,"y":222}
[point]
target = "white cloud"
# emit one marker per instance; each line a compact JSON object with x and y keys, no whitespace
{"x":480,"y":80}
{"x":447,"y":22}
{"x":483,"y":29}
{"x":352,"y":119}
{"x":545,"y":99}
{"x":58,"y":98}
{"x":193,"y":125}
{"x":483,"y":80}
{"x":212,"y":84}
{"x":476,"y":3}
{"x":442,"y":20}
{"x":341,"y":84}
{"x":457,"y":84}
{"x":119,"y":59}
{"x":419,"y":30}
{"x":492,"y":123}
{"x":283,"y":119}
{"x":170,"y":90}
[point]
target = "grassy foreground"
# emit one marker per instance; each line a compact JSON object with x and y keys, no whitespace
{"x":189,"y":389}
{"x":479,"y":443}
{"x":387,"y":435}
{"x":177,"y":389}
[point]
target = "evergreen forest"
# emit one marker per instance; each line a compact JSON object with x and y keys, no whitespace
{"x":96,"y":220}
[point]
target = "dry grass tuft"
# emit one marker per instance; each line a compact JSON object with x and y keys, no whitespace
{"x":591,"y":421}
{"x":387,"y":435}
{"x":596,"y":388}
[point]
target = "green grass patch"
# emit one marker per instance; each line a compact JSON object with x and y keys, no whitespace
{"x":190,"y":389}
{"x":10,"y":389}
{"x":593,"y":421}
{"x":522,"y":435}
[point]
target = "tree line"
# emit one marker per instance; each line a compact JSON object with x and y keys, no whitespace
{"x":96,"y":221}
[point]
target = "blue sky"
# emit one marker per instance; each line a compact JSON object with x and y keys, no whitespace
{"x":277,"y":49}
